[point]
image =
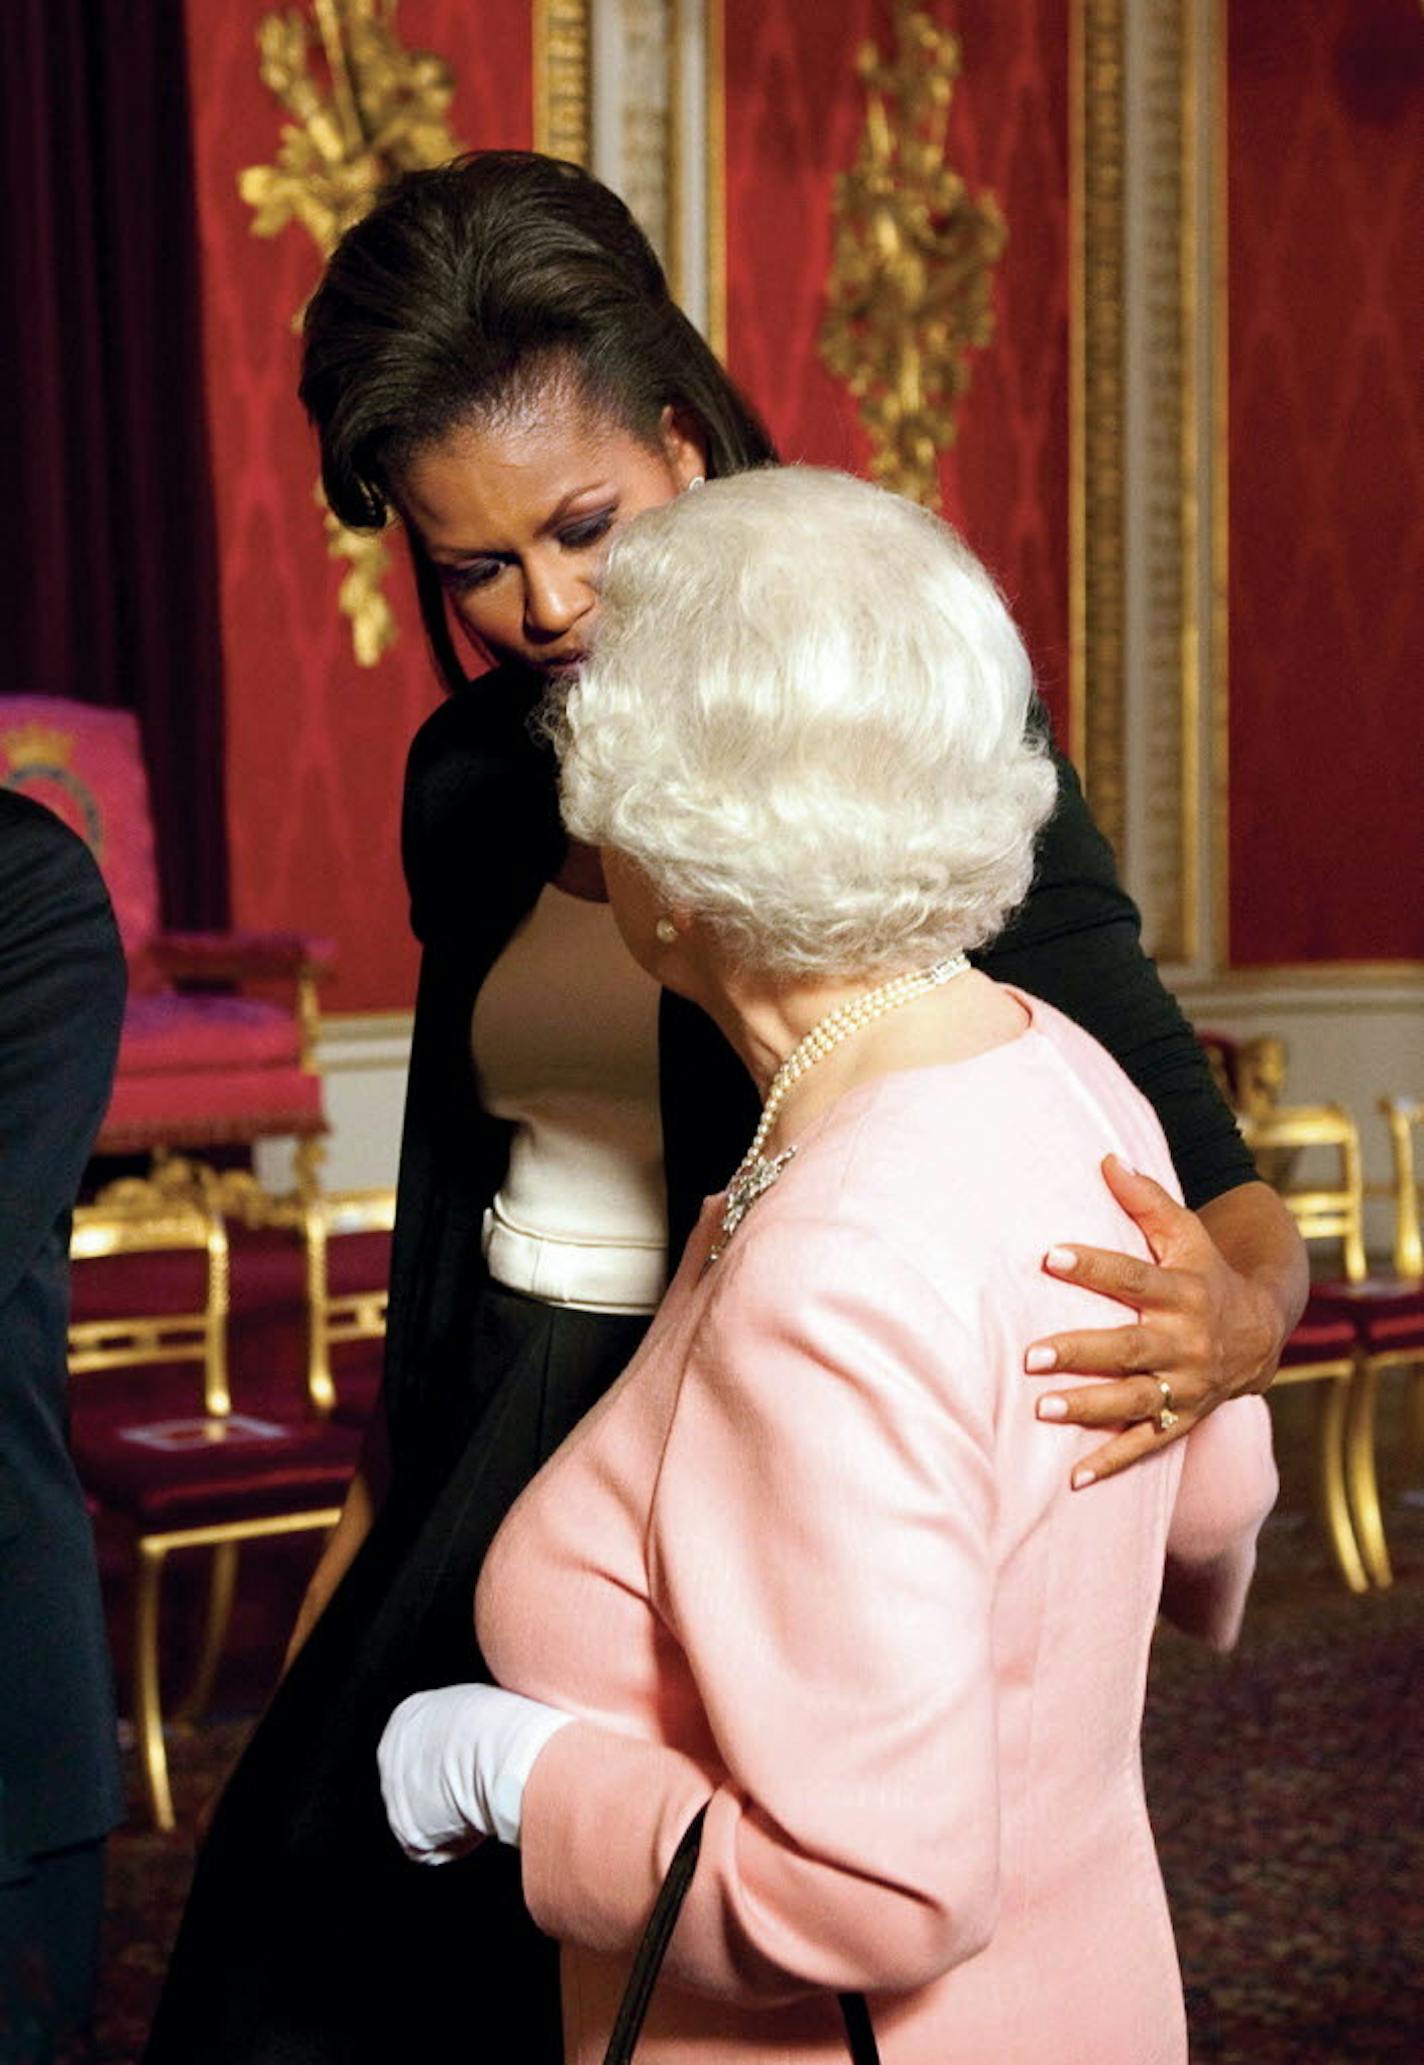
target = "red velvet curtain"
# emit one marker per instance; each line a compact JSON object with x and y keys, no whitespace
{"x":110,"y":575}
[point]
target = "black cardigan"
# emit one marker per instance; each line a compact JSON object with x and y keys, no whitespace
{"x":480,"y":838}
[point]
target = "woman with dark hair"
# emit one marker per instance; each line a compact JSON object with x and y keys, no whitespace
{"x":493,"y":356}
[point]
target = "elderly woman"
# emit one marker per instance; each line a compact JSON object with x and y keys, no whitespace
{"x":813,"y":1563}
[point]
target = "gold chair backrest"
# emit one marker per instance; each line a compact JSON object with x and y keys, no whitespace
{"x":1322,"y":1211}
{"x":134,"y":1217}
{"x":1402,"y":1115}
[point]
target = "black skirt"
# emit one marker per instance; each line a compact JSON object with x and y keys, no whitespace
{"x":308,"y":1938}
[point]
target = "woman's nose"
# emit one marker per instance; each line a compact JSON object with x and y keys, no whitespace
{"x":555,"y":599}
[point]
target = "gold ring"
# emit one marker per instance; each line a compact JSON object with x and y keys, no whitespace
{"x":1164,"y":1419}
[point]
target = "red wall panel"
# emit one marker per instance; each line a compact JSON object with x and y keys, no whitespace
{"x":315,"y":744}
{"x":1325,"y":202}
{"x":794,"y":112}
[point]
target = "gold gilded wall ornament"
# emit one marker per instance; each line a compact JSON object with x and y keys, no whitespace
{"x":363,"y":108}
{"x":909,"y":290}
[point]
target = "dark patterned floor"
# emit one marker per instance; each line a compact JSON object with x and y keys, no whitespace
{"x":1286,"y":1785}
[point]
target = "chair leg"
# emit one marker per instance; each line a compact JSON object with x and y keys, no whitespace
{"x":222,"y":1584}
{"x":321,"y":1388}
{"x":311,"y":1210}
{"x":1361,"y":1475}
{"x":1334,"y":1505}
{"x":147,"y":1695}
{"x":1414,"y":1424}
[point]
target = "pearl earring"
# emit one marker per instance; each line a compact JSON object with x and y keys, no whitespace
{"x":698,"y":480}
{"x":666,"y":930}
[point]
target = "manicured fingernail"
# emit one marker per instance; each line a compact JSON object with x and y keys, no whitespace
{"x":1060,"y":1258}
{"x":1083,"y":1477}
{"x":1053,"y":1408}
{"x":1040,"y":1359}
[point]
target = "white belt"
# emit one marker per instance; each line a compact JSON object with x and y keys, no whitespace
{"x":597,"y":1276}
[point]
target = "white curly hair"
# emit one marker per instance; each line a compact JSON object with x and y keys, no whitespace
{"x":806,"y":718}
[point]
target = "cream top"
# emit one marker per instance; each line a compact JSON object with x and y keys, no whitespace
{"x":565,"y":1041}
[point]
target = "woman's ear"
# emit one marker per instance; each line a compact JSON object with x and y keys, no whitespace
{"x":685,"y":445}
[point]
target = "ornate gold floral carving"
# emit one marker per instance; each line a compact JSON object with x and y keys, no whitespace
{"x":363,"y":109}
{"x":910,"y":281}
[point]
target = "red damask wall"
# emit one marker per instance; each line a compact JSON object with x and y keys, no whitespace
{"x":315,"y":744}
{"x":1326,"y":201}
{"x":794,"y":112}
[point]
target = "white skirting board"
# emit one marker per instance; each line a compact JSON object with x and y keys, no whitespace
{"x":363,"y":1061}
{"x":1350,"y":1039}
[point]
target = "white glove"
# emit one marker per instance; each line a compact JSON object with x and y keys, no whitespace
{"x":454,"y":1764}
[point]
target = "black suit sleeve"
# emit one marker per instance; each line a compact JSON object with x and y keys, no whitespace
{"x":61,"y":1004}
{"x":62,"y":986}
{"x":1077,"y":944}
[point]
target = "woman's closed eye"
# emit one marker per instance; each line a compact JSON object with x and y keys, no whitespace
{"x":469,"y":574}
{"x":587,"y":531}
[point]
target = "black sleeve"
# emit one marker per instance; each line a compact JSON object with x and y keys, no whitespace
{"x":480,"y":830}
{"x":1077,"y":944}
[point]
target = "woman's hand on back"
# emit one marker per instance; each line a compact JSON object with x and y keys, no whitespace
{"x":1205,"y":1328}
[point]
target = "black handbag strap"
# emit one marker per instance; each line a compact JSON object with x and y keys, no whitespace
{"x":633,"y":2007}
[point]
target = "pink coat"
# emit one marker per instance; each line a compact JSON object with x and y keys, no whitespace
{"x":815,"y":1561}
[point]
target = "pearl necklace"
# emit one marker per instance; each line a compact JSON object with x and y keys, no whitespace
{"x":755,"y":1173}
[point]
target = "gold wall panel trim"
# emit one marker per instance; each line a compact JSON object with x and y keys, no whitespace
{"x":648,"y":60}
{"x":1097,"y":599}
{"x":562,"y":79}
{"x":715,"y":30}
{"x":677,"y":252}
{"x":1168,"y":473}
{"x":1184,"y":942}
{"x":1220,"y":742}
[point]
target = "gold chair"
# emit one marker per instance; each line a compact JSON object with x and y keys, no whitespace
{"x":337,"y":1319}
{"x":1384,"y":1314}
{"x":1403,"y":1116}
{"x":179,"y":1481}
{"x":1322,"y":1349}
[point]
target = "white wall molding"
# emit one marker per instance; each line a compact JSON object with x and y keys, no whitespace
{"x":364,"y":1059}
{"x":1352,"y":1037}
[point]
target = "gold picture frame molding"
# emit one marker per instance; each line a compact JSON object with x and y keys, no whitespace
{"x":1097,"y":408}
{"x":563,"y":79}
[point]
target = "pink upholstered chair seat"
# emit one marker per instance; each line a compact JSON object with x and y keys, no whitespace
{"x":190,"y":1472}
{"x":167,"y":1033}
{"x":195,"y":1070}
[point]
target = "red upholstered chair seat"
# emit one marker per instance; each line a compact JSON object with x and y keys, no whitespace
{"x":1324,"y":1334}
{"x":1386,"y":1314}
{"x":194,"y":1472}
